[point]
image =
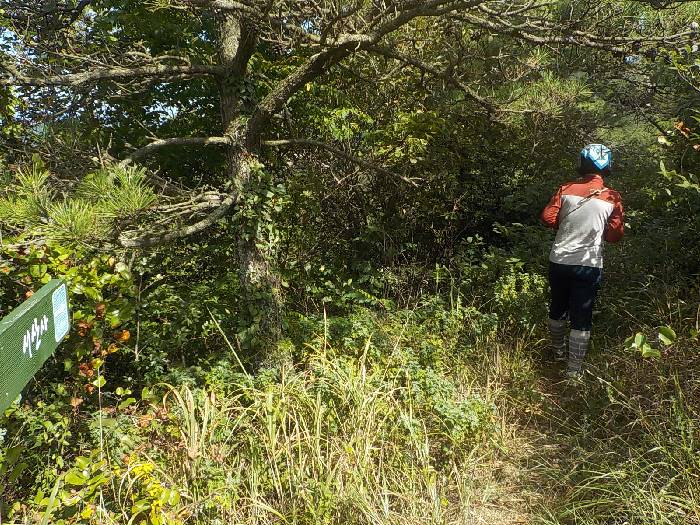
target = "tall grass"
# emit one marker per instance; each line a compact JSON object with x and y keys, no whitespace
{"x":338,"y":442}
{"x":630,"y":437}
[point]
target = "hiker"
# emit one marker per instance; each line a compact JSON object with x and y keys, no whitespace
{"x":583,"y":212}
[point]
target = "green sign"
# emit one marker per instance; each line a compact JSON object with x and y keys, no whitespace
{"x":29,"y":335}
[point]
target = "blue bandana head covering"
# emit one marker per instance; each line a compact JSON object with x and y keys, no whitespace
{"x":595,"y":157}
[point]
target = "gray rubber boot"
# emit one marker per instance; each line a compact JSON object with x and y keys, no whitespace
{"x":578,"y":346}
{"x":557,"y":337}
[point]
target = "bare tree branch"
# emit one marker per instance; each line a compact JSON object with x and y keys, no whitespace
{"x":147,"y":241}
{"x":224,"y":5}
{"x":27,"y":13}
{"x":545,"y":26}
{"x":255,"y":13}
{"x":115,"y":73}
{"x":176,"y":141}
{"x":275,"y":100}
{"x":423,"y":66}
{"x":78,"y":10}
{"x":309,"y":143}
{"x":544,"y":34}
{"x":334,"y":35}
{"x":341,"y":47}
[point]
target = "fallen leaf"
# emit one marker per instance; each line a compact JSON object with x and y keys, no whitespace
{"x":683,"y":129}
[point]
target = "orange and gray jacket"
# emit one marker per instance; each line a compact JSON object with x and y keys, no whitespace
{"x":585,"y":213}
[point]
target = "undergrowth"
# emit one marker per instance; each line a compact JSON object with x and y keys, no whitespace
{"x":443,"y":410}
{"x":377,"y":424}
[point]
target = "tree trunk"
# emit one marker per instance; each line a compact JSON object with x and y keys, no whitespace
{"x":260,"y":283}
{"x":261,"y":297}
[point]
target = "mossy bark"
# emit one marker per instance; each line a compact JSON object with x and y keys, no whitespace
{"x":260,"y":284}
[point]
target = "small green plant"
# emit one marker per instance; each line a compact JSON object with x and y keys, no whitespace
{"x":520,"y":297}
{"x":666,"y":336}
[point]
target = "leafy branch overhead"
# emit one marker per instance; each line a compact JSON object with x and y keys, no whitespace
{"x":251,"y":60}
{"x":306,"y":273}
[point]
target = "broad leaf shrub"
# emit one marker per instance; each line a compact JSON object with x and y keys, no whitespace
{"x":102,"y":294}
{"x":102,"y":307}
{"x":520,"y":298}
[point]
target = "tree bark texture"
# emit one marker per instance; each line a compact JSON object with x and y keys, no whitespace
{"x":260,"y":285}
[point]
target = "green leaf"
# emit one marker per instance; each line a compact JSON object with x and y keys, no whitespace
{"x":147,"y":394}
{"x":649,"y":351}
{"x":73,"y":477}
{"x":100,"y":382}
{"x":639,"y":340}
{"x":127,"y":402}
{"x":17,"y":472}
{"x":142,"y":505}
{"x":666,"y":335}
{"x":174,"y":498}
{"x":50,"y":503}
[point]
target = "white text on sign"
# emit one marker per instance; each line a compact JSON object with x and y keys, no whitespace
{"x":32,"y":338}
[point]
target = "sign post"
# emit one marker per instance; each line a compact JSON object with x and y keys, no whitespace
{"x":29,"y":335}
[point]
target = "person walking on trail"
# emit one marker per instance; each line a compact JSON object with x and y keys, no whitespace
{"x":584,"y":213}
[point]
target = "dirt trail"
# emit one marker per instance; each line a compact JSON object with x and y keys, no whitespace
{"x":530,"y":477}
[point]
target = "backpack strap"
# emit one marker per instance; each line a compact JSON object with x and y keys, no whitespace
{"x":593,"y":193}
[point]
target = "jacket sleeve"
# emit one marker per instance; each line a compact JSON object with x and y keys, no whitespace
{"x":550,"y":214}
{"x":616,"y":222}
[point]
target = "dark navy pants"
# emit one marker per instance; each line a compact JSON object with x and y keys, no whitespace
{"x":573,"y":290}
